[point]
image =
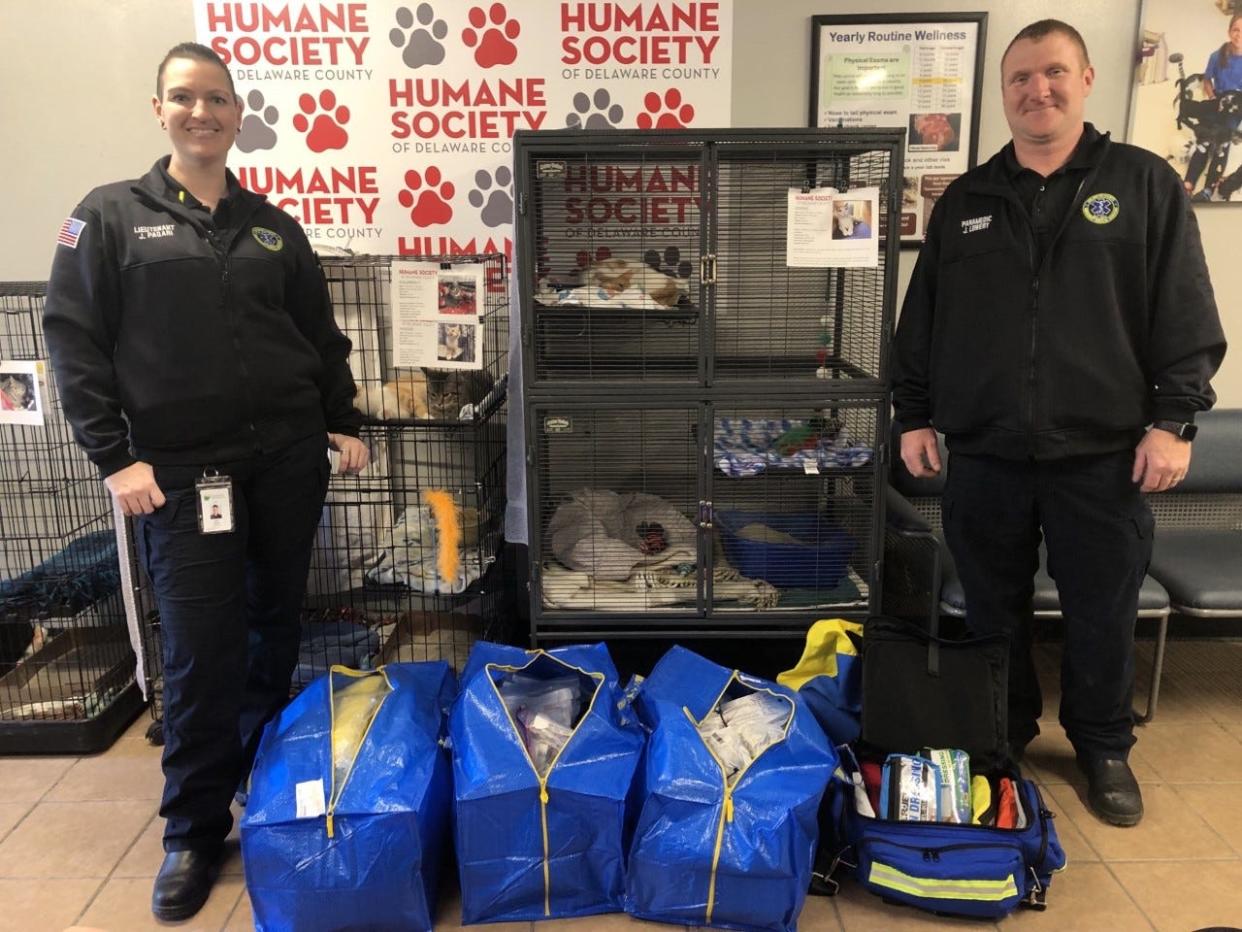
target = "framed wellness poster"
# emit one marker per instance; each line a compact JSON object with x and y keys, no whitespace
{"x":922,"y":73}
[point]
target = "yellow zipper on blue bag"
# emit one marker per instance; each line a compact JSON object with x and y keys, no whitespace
{"x":727,"y":788}
{"x":334,"y":794}
{"x":543,"y":778}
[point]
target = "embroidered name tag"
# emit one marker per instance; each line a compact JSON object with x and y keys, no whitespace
{"x":975,"y":224}
{"x":155,"y":231}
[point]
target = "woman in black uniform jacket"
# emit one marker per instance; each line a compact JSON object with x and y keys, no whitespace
{"x":191,"y":336}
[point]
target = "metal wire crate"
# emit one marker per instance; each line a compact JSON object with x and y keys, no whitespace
{"x":704,"y":517}
{"x":661,"y":259}
{"x":66,"y":665}
{"x":406,"y":560}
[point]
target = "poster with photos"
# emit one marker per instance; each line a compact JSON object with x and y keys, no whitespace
{"x":23,"y":391}
{"x":1186,"y":104}
{"x":436,"y":308}
{"x":919,"y":72}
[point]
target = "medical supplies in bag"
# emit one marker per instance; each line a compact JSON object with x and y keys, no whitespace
{"x":347,"y":817}
{"x":540,"y":814}
{"x":928,"y":847}
{"x":728,"y":794}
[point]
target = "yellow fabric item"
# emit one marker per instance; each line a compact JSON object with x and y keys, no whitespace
{"x":354,"y":706}
{"x":884,"y":875}
{"x":824,"y":642}
{"x":980,"y":798}
{"x":448,"y":533}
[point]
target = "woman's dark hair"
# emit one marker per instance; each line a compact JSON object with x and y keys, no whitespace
{"x":196,"y":51}
{"x":1226,"y":50}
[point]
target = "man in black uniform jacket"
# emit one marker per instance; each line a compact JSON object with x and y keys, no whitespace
{"x":1060,"y":330}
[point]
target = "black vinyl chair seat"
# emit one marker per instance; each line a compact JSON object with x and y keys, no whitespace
{"x":1201,"y":568}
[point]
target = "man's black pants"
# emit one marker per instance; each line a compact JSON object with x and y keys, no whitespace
{"x":229,"y":616}
{"x":1098,"y":531}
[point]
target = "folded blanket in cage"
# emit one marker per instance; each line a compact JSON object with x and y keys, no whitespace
{"x":82,"y":573}
{"x":748,"y":446}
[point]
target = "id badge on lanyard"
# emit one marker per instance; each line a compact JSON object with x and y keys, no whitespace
{"x":215,"y":502}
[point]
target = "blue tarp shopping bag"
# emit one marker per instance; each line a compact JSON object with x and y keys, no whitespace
{"x":829,"y":678}
{"x":350,"y":798}
{"x":540,"y":832}
{"x":710,"y":848}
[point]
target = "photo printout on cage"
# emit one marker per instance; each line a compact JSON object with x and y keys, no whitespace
{"x":826,"y":228}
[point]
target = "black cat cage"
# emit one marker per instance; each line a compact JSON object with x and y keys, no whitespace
{"x":66,"y":665}
{"x":406,"y":561}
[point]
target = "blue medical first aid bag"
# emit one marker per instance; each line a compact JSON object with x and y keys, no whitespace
{"x":349,"y":802}
{"x":540,"y":828}
{"x":713,"y":845}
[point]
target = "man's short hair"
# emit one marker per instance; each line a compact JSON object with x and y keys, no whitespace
{"x":1044,"y":28}
{"x":197,"y":52}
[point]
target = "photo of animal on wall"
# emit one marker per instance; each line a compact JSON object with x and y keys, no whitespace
{"x":851,"y":219}
{"x":457,"y":295}
{"x":17,"y":391}
{"x":939,"y":132}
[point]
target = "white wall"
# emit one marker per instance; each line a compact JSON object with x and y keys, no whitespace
{"x":75,"y":107}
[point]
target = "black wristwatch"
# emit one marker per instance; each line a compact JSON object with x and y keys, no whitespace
{"x":1178,"y":429}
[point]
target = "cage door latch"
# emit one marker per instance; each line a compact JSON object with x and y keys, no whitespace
{"x":705,"y":515}
{"x":707,"y":269}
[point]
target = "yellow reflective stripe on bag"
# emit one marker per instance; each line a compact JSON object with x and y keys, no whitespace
{"x":883,"y":875}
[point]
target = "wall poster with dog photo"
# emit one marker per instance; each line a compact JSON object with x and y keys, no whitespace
{"x":918,"y":72}
{"x":435,"y":315}
{"x":23,"y":388}
{"x":1187,"y":100}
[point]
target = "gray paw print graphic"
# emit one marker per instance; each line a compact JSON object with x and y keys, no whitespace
{"x":499,"y":205}
{"x":256,"y":128}
{"x":421,"y":46}
{"x":605,"y":116}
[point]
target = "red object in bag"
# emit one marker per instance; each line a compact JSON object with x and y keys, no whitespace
{"x":1006,"y":804}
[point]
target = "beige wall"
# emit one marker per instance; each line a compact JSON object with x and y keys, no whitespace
{"x":75,"y":108}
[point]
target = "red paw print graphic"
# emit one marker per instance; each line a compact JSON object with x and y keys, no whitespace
{"x":495,"y":45}
{"x":585,"y":258}
{"x":430,"y":206}
{"x":675,"y":116}
{"x":327,"y":132}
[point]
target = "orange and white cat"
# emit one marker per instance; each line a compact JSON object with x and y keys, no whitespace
{"x":617,"y":275}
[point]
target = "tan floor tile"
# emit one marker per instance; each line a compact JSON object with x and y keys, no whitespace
{"x":1169,"y":829}
{"x":72,"y":839}
{"x":1050,"y":759}
{"x":145,"y":855}
{"x":1210,"y":671}
{"x":124,"y":905}
{"x":605,"y":922}
{"x":1217,"y":805}
{"x":819,"y":914}
{"x":861,"y":911}
{"x":46,"y":905}
{"x":1192,"y":753}
{"x":1177,"y":896}
{"x":1075,"y":845}
{"x":11,"y":814}
{"x":27,"y":779}
{"x":128,"y":770}
{"x":1082,"y":898}
{"x":242,"y":919}
{"x":1234,"y":728}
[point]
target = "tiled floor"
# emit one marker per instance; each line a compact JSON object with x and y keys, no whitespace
{"x":79,"y":840}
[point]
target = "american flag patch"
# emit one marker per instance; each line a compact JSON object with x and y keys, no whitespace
{"x":69,"y":232}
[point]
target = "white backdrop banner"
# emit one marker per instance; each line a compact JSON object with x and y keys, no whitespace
{"x":385,"y":127}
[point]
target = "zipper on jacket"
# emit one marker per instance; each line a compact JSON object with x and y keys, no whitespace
{"x":543,"y":778}
{"x":728,"y":788}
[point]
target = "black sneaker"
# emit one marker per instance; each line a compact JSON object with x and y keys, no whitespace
{"x":1112,"y":792}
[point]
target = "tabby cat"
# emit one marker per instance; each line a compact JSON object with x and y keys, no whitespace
{"x":420,"y":394}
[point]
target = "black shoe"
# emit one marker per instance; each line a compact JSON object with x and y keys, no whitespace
{"x":183,"y":884}
{"x":1112,"y":792}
